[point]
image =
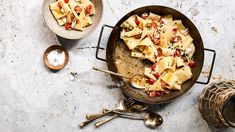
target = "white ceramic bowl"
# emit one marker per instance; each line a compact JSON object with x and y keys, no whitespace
{"x":71,"y":34}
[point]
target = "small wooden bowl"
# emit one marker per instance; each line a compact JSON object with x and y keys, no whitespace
{"x":54,"y":47}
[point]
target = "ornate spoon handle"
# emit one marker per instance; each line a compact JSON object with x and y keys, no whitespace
{"x":102,"y":122}
{"x":83,"y":124}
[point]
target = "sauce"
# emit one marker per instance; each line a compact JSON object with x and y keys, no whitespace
{"x":127,"y":65}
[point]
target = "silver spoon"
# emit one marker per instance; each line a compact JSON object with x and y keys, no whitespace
{"x":151,"y":119}
{"x":138,"y":81}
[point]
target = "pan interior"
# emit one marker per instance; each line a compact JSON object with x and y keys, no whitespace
{"x":119,"y":58}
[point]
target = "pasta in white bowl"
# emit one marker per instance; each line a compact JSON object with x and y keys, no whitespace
{"x":73,"y":14}
{"x":167,"y":44}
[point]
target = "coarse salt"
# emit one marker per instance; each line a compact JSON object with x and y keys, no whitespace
{"x":56,"y":57}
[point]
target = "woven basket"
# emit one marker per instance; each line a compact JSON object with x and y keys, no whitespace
{"x":213,"y":100}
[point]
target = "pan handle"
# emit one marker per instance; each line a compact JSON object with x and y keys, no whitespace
{"x":212,"y":65}
{"x":99,"y":41}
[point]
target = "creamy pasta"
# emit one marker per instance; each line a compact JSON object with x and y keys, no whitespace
{"x":167,"y":44}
